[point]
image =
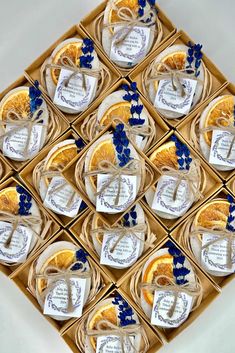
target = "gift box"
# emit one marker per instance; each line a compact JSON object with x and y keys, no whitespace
{"x":6,"y":169}
{"x":216,"y":77}
{"x":93,"y":22}
{"x":210,"y":292}
{"x":20,"y":278}
{"x":211,"y":183}
{"x":33,"y":71}
{"x":26,"y":176}
{"x":156,"y":234}
{"x":59,"y":121}
{"x":189,"y":126}
{"x":153,"y":337}
{"x":50,"y":227}
{"x":181,"y":232}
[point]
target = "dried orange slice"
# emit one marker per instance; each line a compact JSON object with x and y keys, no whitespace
{"x":131,"y":4}
{"x":213,"y":214}
{"x":62,"y":259}
{"x":9,"y":200}
{"x":120,"y":110}
{"x":165,"y":155}
{"x":71,"y":50}
{"x":18,"y":102}
{"x":162,"y":265}
{"x":226,"y":106}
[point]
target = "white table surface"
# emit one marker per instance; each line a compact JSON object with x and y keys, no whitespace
{"x":27,"y":28}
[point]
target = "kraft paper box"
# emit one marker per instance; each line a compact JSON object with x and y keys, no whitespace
{"x":161,"y":126}
{"x":53,"y":228}
{"x":26,"y":175}
{"x":212,"y":184}
{"x":33,"y":71}
{"x":178,"y":235}
{"x":22,"y":81}
{"x":230,"y":185}
{"x":20,"y":278}
{"x":210,"y":292}
{"x":218,"y":79}
{"x":89,"y":26}
{"x":6,"y":169}
{"x":188,"y":124}
{"x":113,"y":273}
{"x":154,"y":338}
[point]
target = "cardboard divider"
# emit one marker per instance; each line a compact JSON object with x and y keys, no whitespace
{"x":22,"y":81}
{"x":185,"y":126}
{"x":221,"y":281}
{"x":210,"y":292}
{"x":230,"y":185}
{"x":213,"y":183}
{"x":87,"y":24}
{"x":218,"y":79}
{"x":33,"y":71}
{"x":54,"y":228}
{"x":20,"y":278}
{"x":26,"y":175}
{"x":113,"y":273}
{"x":154,"y":338}
{"x":6,"y":169}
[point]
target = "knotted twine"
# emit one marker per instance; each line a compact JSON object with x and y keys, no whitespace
{"x":53,"y":274}
{"x":194,"y":290}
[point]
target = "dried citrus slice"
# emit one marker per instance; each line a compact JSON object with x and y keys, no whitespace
{"x":9,"y":200}
{"x":18,"y":102}
{"x":71,"y":50}
{"x":120,"y":110}
{"x":162,"y":265}
{"x":213,"y":214}
{"x":165,"y":155}
{"x":62,"y":259}
{"x":61,"y":157}
{"x":133,"y":5}
{"x":226,"y":106}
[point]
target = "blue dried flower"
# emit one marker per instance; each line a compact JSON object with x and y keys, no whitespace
{"x":35,"y":97}
{"x":133,"y":86}
{"x":81,"y":255}
{"x":80,"y":143}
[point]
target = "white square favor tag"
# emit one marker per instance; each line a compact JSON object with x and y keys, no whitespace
{"x":214,"y":257}
{"x":112,"y":344}
{"x":20,"y":243}
{"x":162,"y":303}
{"x":56,"y":301}
{"x":220,"y":146}
{"x":133,"y":48}
{"x":74,"y":96}
{"x":163,"y":199}
{"x":65,"y":201}
{"x":169,"y":99}
{"x":125,"y":253}
{"x":105,"y":201}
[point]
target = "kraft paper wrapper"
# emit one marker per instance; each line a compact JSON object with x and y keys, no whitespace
{"x":220,"y":282}
{"x":161,"y":126}
{"x":26,"y":176}
{"x":87,"y":24}
{"x":213,"y":183}
{"x":154,"y":338}
{"x":33,"y":71}
{"x":113,"y":273}
{"x":218,"y":79}
{"x":68,"y":173}
{"x":210,"y":293}
{"x":21,"y":280}
{"x":184,"y":127}
{"x":22,"y":81}
{"x":54,"y":228}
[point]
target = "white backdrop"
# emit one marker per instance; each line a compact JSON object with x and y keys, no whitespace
{"x":27,"y":28}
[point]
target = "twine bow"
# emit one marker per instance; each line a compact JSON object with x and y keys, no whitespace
{"x":22,"y":123}
{"x":53,"y":274}
{"x":16,"y":220}
{"x":222,"y":234}
{"x":136,"y":130}
{"x":124,"y":333}
{"x":107,"y":167}
{"x":191,"y":176}
{"x":229,"y":127}
{"x":194,"y":290}
{"x":128,"y":21}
